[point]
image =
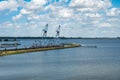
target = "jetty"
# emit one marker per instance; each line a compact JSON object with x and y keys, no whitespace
{"x":27,"y":50}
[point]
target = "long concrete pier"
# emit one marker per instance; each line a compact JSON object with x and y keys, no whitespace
{"x":27,"y":50}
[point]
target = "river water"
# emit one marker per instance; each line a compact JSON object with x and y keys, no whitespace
{"x":81,"y":63}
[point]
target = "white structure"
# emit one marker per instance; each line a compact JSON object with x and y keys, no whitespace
{"x":44,"y":42}
{"x":57,"y":39}
{"x":45,"y":31}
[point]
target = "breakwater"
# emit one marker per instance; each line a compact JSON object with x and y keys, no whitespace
{"x":27,"y":50}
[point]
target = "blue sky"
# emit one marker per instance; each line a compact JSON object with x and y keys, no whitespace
{"x":116,"y":3}
{"x":78,"y":18}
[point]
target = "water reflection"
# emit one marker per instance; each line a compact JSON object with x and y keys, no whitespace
{"x":100,"y":63}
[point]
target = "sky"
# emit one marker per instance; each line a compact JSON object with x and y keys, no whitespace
{"x":78,"y":18}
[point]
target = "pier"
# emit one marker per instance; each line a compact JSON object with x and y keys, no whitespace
{"x":27,"y":50}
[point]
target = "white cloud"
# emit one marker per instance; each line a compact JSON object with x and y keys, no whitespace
{"x":113,"y":12}
{"x":90,"y":3}
{"x":10,"y":4}
{"x":92,"y":15}
{"x":31,"y":9}
{"x":113,"y":19}
{"x":35,"y":4}
{"x":105,"y":25}
{"x":65,"y":13}
{"x":7,"y":24}
{"x":33,"y":16}
{"x":79,"y":18}
{"x":17,"y":17}
{"x":24,"y":11}
{"x":86,"y":9}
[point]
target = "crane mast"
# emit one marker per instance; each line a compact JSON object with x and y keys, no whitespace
{"x":45,"y":31}
{"x":44,"y":42}
{"x":57,"y":41}
{"x":58,"y":32}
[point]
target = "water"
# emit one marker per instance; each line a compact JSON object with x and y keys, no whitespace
{"x":81,"y":63}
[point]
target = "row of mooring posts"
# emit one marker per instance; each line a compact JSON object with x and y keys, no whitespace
{"x":44,"y":42}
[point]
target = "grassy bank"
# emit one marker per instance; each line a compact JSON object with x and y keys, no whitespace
{"x":18,"y":51}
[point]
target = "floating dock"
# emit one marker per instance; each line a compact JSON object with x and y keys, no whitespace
{"x":27,"y":50}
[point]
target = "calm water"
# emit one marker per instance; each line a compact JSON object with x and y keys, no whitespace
{"x":82,"y":63}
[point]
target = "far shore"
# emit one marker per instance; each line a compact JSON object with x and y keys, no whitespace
{"x":14,"y":38}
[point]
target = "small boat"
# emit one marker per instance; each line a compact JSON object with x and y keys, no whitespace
{"x":4,"y":45}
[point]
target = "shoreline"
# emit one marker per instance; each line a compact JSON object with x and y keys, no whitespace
{"x":20,"y":51}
